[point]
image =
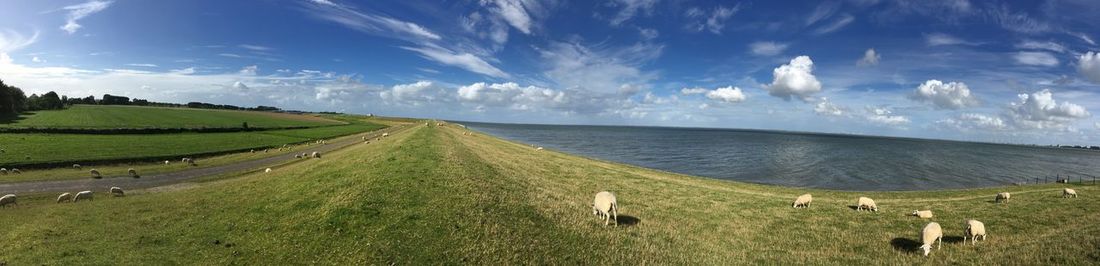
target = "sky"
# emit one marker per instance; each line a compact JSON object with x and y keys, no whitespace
{"x":993,"y":71}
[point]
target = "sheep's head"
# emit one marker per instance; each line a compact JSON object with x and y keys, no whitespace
{"x":927,"y":248}
{"x":915,"y":213}
{"x":594,"y":210}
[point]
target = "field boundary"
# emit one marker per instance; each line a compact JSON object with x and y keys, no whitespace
{"x":145,"y":130}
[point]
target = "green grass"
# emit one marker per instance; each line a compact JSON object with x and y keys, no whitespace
{"x":63,"y":148}
{"x":116,"y":116}
{"x":434,"y":196}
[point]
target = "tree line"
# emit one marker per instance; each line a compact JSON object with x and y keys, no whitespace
{"x":14,"y":102}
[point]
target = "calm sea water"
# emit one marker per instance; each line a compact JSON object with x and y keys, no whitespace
{"x":808,"y":160}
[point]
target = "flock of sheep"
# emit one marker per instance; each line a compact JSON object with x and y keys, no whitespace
{"x":11,"y":199}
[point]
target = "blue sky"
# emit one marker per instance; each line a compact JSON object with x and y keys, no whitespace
{"x":1016,"y":71}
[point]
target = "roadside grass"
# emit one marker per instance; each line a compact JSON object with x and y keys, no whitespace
{"x":121,"y":116}
{"x":431,"y":195}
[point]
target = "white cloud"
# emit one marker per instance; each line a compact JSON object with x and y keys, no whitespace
{"x":184,"y":71}
{"x":1039,"y":110}
{"x":767,"y":48}
{"x":11,"y":40}
{"x":256,"y":47}
{"x":77,"y":12}
{"x":951,"y":95}
{"x":824,"y":107}
{"x":1085,"y":38}
{"x":1037,"y":45}
{"x":1017,"y":21}
{"x":729,"y":94}
{"x":511,"y":95}
{"x":690,"y":91}
{"x":821,"y":12}
{"x":370,"y":23}
{"x":240,"y":86}
{"x":465,"y":61}
{"x":630,"y":8}
{"x":648,"y":34}
{"x":249,"y":70}
{"x":794,"y":80}
{"x":1088,"y":65}
{"x":870,"y":58}
{"x":37,"y":60}
{"x":936,"y":39}
{"x":885,"y":116}
{"x":971,"y":121}
{"x":416,"y":94}
{"x":836,"y":25}
{"x":514,"y":13}
{"x":605,"y":71}
{"x":230,"y":55}
{"x":142,"y":65}
{"x":1036,"y":59}
{"x":1097,"y":124}
{"x":714,"y":22}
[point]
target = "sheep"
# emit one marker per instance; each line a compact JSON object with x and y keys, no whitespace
{"x":189,"y":161}
{"x":297,"y":156}
{"x":133,"y":173}
{"x":1068,"y":192}
{"x":1002,"y":197}
{"x":606,"y":207}
{"x":974,"y":229}
{"x":803,"y":201}
{"x":16,"y":171}
{"x":316,"y":155}
{"x":387,"y":134}
{"x":930,"y":234}
{"x":922,"y":214}
{"x":64,"y":197}
{"x":3,"y":171}
{"x":95,"y":174}
{"x":77,"y":166}
{"x":83,"y":195}
{"x":252,"y":151}
{"x":265,"y":150}
{"x":117,"y":192}
{"x":538,"y":149}
{"x":6,"y":200}
{"x":865,"y":202}
{"x":166,"y":162}
{"x":268,"y":170}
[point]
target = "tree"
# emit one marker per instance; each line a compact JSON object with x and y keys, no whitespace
{"x":12,"y":100}
{"x":50,"y":101}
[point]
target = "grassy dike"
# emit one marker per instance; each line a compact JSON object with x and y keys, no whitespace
{"x":433,"y":195}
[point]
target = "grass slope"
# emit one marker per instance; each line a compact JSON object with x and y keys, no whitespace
{"x":117,"y":116}
{"x":61,"y":148}
{"x":432,"y":195}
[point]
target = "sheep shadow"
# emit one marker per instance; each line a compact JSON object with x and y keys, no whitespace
{"x":952,"y":239}
{"x":627,"y":220}
{"x":905,"y":244}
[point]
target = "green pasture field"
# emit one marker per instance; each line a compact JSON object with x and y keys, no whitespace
{"x":119,"y":116}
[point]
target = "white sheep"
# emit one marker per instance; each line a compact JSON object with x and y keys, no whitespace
{"x":1068,"y":192}
{"x":803,"y":201}
{"x":252,"y":151}
{"x":922,"y":214}
{"x":185,"y":159}
{"x":316,"y":155}
{"x":974,"y":229}
{"x":538,"y":149}
{"x":606,"y":207}
{"x":95,"y":174}
{"x":64,"y":197}
{"x":297,"y":156}
{"x":930,"y":234}
{"x":133,"y":173}
{"x":265,"y":150}
{"x":83,"y":195}
{"x":77,"y":166}
{"x":117,"y":192}
{"x":6,"y":200}
{"x":387,"y":134}
{"x":268,"y":170}
{"x":16,"y":171}
{"x":166,"y":162}
{"x":1002,"y":197}
{"x":866,"y":203}
{"x":3,"y":171}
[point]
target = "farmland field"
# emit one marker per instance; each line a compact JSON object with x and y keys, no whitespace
{"x":116,"y":116}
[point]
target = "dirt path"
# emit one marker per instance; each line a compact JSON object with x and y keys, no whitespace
{"x":155,"y":180}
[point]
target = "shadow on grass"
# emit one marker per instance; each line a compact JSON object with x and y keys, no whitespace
{"x":905,"y":244}
{"x":952,"y":239}
{"x":12,"y":118}
{"x":627,"y":220}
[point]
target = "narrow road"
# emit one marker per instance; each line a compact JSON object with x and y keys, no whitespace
{"x":156,"y":180}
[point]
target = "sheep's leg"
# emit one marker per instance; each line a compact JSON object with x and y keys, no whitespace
{"x":939,"y":242}
{"x":615,"y":212}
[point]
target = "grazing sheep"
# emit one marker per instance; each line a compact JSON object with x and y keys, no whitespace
{"x":606,"y":207}
{"x":166,"y":162}
{"x":77,"y":166}
{"x":3,"y":171}
{"x":922,"y":214}
{"x":133,"y":173}
{"x":316,"y":155}
{"x":95,"y":174}
{"x":930,"y":234}
{"x":251,"y":151}
{"x":866,"y":203}
{"x":16,"y":171}
{"x":803,"y":201}
{"x":83,"y":195}
{"x":974,"y":229}
{"x":64,"y":197}
{"x":265,"y":150}
{"x":387,"y":134}
{"x":268,"y":170}
{"x":1002,"y":197}
{"x":538,"y":149}
{"x":1069,"y":192}
{"x":117,"y":192}
{"x":6,"y":200}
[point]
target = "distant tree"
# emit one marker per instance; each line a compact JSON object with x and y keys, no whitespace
{"x":12,"y":100}
{"x":50,"y":101}
{"x":114,"y":100}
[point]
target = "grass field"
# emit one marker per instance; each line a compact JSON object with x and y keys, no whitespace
{"x":64,"y":148}
{"x":117,"y":116}
{"x":432,"y":195}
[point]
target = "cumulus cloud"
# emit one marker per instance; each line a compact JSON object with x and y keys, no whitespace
{"x":1088,"y":65}
{"x":1036,"y":59}
{"x":972,"y":121}
{"x":462,"y":60}
{"x":691,"y":91}
{"x":729,"y":94}
{"x":415,"y":94}
{"x":795,"y":79}
{"x":511,"y":95}
{"x":767,"y":48}
{"x":885,"y":116}
{"x":37,"y":60}
{"x":249,"y":70}
{"x":236,"y":85}
{"x":1039,"y":110}
{"x":951,"y":95}
{"x":78,"y":12}
{"x":824,"y":107}
{"x":870,"y":58}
